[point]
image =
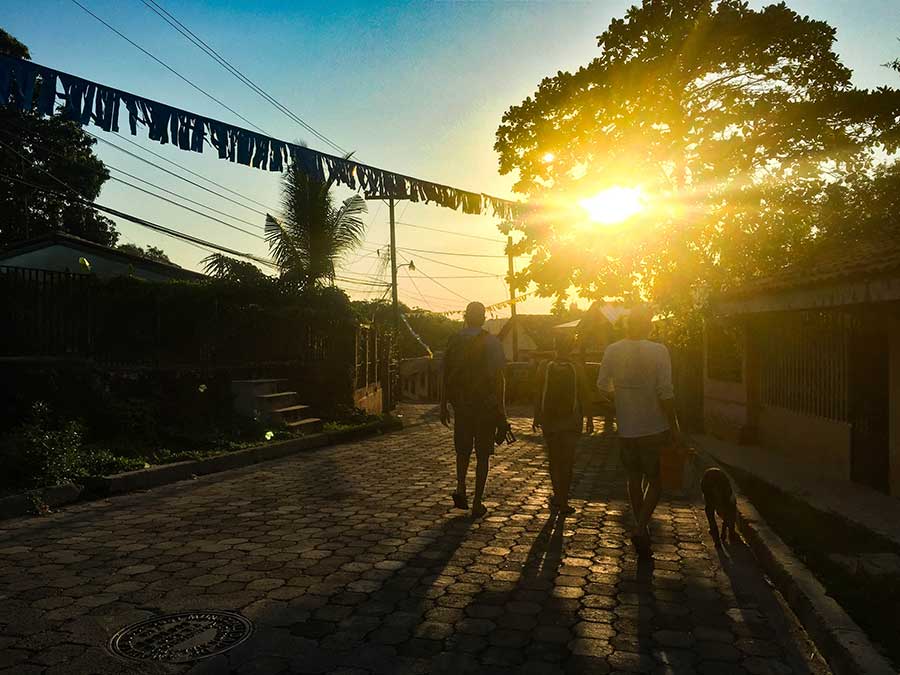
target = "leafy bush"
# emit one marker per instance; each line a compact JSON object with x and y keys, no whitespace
{"x":39,"y":453}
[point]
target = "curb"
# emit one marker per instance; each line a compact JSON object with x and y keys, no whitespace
{"x":840,"y":641}
{"x":99,"y":487}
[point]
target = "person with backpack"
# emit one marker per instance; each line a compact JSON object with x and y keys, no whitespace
{"x":560,"y":395}
{"x":473,"y":385}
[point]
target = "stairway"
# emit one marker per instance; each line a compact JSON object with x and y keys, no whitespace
{"x":264,"y":398}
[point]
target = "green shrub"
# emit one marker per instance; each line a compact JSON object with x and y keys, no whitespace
{"x":41,"y":453}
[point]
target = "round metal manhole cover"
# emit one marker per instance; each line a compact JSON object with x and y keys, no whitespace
{"x":177,"y":638}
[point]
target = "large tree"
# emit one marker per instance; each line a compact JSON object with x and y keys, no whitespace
{"x":54,"y":162}
{"x":734,"y":122}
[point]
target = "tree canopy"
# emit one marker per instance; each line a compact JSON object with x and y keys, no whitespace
{"x":151,"y":252}
{"x":32,"y":149}
{"x":739,"y":126}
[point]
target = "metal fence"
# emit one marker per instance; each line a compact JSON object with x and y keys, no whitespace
{"x":804,"y":360}
{"x":126,"y":321}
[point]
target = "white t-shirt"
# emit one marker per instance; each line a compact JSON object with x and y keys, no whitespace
{"x":640,"y":373}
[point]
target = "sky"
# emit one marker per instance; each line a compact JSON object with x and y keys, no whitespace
{"x":418,"y":88}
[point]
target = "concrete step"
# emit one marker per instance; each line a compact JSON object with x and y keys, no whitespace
{"x":269,"y":402}
{"x":246,"y":391}
{"x":309,"y":425}
{"x":289,"y":414}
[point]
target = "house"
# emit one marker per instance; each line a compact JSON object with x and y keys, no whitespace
{"x":807,"y":363}
{"x":60,"y":252}
{"x":535,"y":334}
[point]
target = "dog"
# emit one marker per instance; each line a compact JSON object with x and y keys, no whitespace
{"x":719,"y":498}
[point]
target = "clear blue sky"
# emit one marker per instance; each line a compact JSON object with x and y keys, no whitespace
{"x":416,"y":87}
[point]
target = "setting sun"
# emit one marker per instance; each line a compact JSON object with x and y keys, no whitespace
{"x":613,"y":205}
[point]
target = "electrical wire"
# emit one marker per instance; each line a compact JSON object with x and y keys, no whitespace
{"x":188,"y":208}
{"x":142,"y":221}
{"x":170,"y":68}
{"x":455,"y":234}
{"x":460,"y":255}
{"x":172,"y":173}
{"x":187,"y":199}
{"x":271,"y":209}
{"x":160,"y":11}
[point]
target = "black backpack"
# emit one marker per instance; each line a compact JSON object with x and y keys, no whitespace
{"x":560,"y":397}
{"x":467,"y":380}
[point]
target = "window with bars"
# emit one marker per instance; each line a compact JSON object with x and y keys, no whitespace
{"x":804,"y":362}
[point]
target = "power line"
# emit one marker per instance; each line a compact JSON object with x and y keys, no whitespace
{"x":160,"y":11}
{"x":170,"y":68}
{"x":415,"y":285}
{"x":184,"y":168}
{"x":172,"y":173}
{"x":152,"y":194}
{"x":461,"y":255}
{"x":455,"y":234}
{"x":457,"y":267}
{"x":144,"y":222}
{"x":449,"y":290}
{"x":187,"y":199}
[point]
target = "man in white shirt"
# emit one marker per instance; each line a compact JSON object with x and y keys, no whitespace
{"x":638,"y":372}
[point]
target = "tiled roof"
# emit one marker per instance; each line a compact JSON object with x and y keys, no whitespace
{"x":832,"y":263}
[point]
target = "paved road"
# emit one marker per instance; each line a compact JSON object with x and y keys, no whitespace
{"x":349,"y":560}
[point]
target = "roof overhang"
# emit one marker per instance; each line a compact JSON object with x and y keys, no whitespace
{"x":826,"y":296}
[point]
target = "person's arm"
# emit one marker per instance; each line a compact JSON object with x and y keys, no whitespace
{"x":666,"y":393}
{"x":604,"y":375}
{"x":445,"y":413}
{"x":539,"y":396}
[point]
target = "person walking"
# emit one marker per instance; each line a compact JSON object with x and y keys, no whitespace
{"x":560,"y":395}
{"x":473,"y":385}
{"x":638,"y":374}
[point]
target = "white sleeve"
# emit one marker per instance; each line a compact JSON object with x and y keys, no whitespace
{"x":664,"y":388}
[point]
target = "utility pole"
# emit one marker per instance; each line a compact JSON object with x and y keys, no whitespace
{"x":394,"y":300}
{"x":394,"y":356}
{"x":512,"y":297}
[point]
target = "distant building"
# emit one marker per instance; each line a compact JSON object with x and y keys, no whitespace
{"x":535,"y":334}
{"x":60,"y":252}
{"x":807,"y":364}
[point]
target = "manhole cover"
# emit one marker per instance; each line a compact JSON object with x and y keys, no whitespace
{"x":177,"y":638}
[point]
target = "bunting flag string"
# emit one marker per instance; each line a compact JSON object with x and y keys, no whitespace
{"x":417,"y":336}
{"x":32,"y":87}
{"x":490,"y":309}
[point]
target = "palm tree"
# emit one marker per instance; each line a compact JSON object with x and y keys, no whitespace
{"x":314,"y":233}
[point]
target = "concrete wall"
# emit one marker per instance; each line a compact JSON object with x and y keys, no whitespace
{"x":725,"y":413}
{"x":894,"y":403}
{"x":817,"y":444}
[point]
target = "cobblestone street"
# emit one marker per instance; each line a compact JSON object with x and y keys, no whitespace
{"x":349,"y":559}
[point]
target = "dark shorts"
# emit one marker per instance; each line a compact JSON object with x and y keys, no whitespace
{"x":561,"y":441}
{"x":640,"y":455}
{"x":474,"y":430}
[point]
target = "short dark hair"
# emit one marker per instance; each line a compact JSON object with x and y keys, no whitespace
{"x":475,"y":314}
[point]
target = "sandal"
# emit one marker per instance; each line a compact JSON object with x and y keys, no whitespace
{"x":460,"y":501}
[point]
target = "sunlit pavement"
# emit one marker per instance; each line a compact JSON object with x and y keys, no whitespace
{"x":349,"y":560}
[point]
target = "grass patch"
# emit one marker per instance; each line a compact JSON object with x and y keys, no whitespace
{"x":813,"y":536}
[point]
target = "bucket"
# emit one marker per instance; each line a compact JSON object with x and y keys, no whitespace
{"x":672,"y":463}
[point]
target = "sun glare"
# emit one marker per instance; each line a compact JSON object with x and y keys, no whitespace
{"x":548,"y":157}
{"x":613,"y":205}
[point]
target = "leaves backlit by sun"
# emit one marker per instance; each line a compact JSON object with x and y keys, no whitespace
{"x":614,"y":205}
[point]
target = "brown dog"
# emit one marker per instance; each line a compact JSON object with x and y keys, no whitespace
{"x":719,"y":498}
